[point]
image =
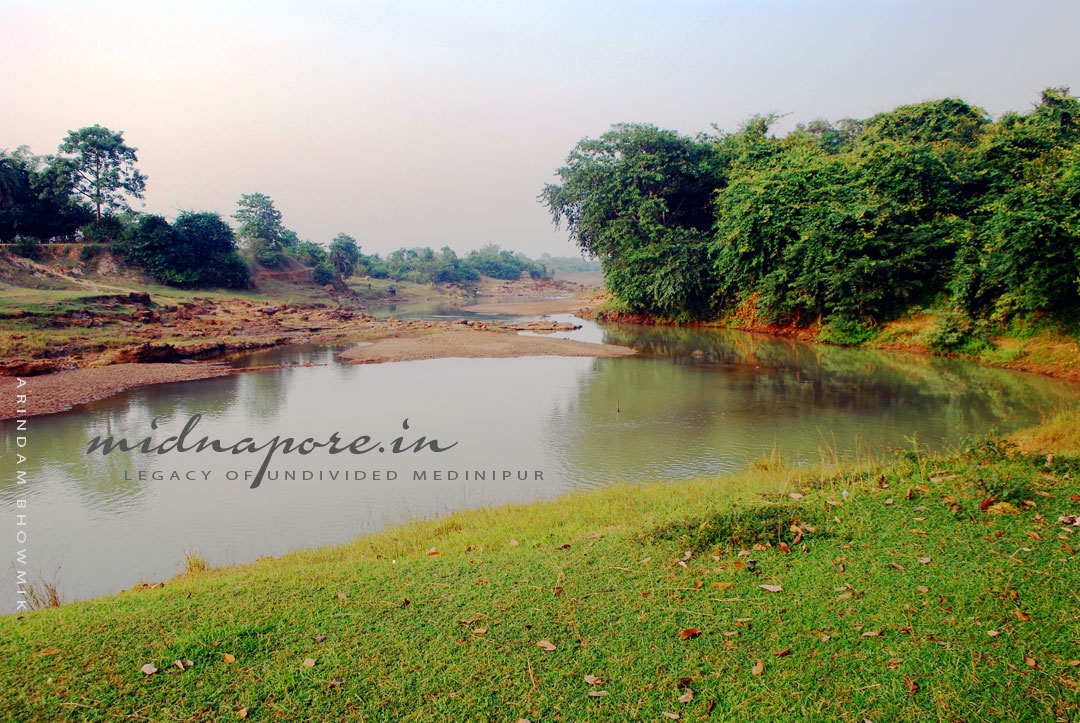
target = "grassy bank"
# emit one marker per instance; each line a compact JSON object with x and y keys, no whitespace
{"x":940,"y":588}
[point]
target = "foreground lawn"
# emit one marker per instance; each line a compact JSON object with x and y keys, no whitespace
{"x":920,"y":588}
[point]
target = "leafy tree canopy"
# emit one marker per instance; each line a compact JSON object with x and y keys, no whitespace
{"x":854,"y":221}
{"x":102,"y":168}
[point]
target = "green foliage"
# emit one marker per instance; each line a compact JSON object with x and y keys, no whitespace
{"x":638,"y":199}
{"x":852,"y":223}
{"x":424,"y":266}
{"x":569,"y":264}
{"x":847,"y":331}
{"x":957,"y":333}
{"x":198,"y":250}
{"x":88,"y":252}
{"x":102,"y":168}
{"x":344,"y":255}
{"x":503,"y":264}
{"x":36,"y":198}
{"x":107,"y":230}
{"x":373,"y":266}
{"x":308,"y":253}
{"x":261,"y":229}
{"x":323,"y":273}
{"x":27,"y":247}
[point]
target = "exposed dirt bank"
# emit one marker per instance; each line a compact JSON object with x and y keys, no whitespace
{"x":474,"y":343}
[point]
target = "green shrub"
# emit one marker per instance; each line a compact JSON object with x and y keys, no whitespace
{"x":323,"y":273}
{"x":27,"y":247}
{"x":847,"y":332}
{"x":957,"y":333}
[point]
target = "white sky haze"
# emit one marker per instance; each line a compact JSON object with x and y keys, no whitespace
{"x":431,"y":124}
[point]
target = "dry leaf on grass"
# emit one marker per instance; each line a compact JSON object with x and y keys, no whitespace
{"x":759,"y":668}
{"x":230,"y":659}
{"x":545,"y":645}
{"x":309,"y":662}
{"x":772,"y":588}
{"x":593,"y":679}
{"x":689,"y":633}
{"x":597,"y":693}
{"x":148,"y":669}
{"x":687,"y":696}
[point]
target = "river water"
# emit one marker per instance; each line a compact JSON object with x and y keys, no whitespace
{"x":692,"y":402}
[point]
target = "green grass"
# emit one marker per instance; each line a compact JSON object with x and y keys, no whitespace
{"x":606,"y":577}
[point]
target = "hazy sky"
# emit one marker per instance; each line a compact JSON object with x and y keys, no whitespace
{"x":407,"y":123}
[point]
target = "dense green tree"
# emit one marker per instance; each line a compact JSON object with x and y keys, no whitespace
{"x":197,"y":250}
{"x":36,"y":199}
{"x":308,"y":253}
{"x":262,"y":230}
{"x":102,"y":168}
{"x":344,"y":255}
{"x":850,"y":223}
{"x":499,"y":263}
{"x":638,"y":198}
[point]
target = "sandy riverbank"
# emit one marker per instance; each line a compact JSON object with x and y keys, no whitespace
{"x":51,"y":393}
{"x":476,"y":343}
{"x":392,"y":340}
{"x":539,"y":307}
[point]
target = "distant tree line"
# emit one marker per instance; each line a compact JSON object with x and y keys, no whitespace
{"x":426,"y":266}
{"x":851,"y":223}
{"x":83,"y":192}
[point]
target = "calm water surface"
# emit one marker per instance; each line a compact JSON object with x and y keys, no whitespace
{"x":693,"y":402}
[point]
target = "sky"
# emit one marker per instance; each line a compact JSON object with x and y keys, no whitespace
{"x":430,"y":124}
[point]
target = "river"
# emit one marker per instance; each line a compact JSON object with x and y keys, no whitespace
{"x":692,"y":402}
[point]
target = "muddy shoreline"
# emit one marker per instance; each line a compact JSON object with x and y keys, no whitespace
{"x":476,"y":344}
{"x":392,"y":340}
